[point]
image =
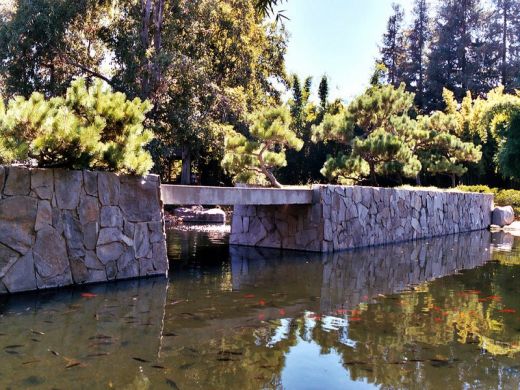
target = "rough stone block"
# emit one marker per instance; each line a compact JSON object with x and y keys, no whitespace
{"x":17,"y":220}
{"x":43,"y":215}
{"x":21,"y":276}
{"x":90,"y":182}
{"x":67,"y":186}
{"x":18,"y":181}
{"x":7,"y":258}
{"x":88,"y":209}
{"x":156,"y":231}
{"x":42,"y":183}
{"x":111,"y":217}
{"x":140,"y":199}
{"x":503,"y":216}
{"x":51,"y":259}
{"x":141,"y":240}
{"x":109,"y":188}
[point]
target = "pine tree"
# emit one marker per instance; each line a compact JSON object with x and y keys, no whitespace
{"x":392,"y":51}
{"x":252,"y":160}
{"x":381,"y":139}
{"x":91,"y":127}
{"x":367,"y":129}
{"x":417,"y":39}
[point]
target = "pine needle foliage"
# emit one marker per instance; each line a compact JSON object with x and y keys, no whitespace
{"x":89,"y":128}
{"x":382,"y":137}
{"x":251,"y":160}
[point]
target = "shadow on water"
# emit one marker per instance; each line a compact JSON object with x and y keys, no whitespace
{"x":430,"y":313}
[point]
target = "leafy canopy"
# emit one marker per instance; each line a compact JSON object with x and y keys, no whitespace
{"x":91,"y":127}
{"x":251,"y":160}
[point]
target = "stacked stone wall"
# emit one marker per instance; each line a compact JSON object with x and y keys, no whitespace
{"x":344,"y":217}
{"x":63,"y":227}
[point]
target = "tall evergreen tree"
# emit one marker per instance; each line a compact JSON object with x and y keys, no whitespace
{"x":323,"y":92}
{"x":417,"y":39}
{"x":392,"y":50}
{"x":453,"y":60}
{"x":503,"y":43}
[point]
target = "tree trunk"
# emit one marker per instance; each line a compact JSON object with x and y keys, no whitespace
{"x":266,"y":171}
{"x":453,"y":181}
{"x":418,"y":179}
{"x":373,"y":177}
{"x":146,"y":9}
{"x":186,"y":165}
{"x":158,"y":22}
{"x":504,"y":44}
{"x":271,"y":178}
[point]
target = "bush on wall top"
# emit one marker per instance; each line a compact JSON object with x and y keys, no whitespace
{"x":91,"y":127}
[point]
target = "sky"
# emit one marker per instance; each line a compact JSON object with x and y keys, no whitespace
{"x":338,"y":38}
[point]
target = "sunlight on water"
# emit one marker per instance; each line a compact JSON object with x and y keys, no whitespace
{"x":438,"y":313}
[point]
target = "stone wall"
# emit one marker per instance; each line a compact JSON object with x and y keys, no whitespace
{"x":345,"y":279}
{"x":349,"y":217}
{"x":62,"y":227}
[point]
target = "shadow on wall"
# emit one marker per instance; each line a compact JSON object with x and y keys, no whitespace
{"x":351,"y":277}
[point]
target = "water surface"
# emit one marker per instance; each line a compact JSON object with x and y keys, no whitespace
{"x":431,"y":314}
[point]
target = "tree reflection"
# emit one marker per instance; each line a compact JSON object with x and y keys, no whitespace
{"x":397,"y":316}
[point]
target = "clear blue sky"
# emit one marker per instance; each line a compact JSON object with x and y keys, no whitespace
{"x":338,"y":38}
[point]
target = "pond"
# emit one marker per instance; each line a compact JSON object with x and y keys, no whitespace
{"x":438,"y":313}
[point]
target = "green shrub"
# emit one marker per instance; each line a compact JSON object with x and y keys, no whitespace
{"x":480,"y":188}
{"x":91,"y":127}
{"x":502,"y":197}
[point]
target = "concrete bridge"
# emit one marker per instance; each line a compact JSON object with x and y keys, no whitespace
{"x":327,"y":218}
{"x":233,"y":196}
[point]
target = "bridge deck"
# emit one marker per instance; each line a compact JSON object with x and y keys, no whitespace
{"x":195,"y":195}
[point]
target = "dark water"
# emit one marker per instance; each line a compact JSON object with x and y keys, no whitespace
{"x":435,"y":314}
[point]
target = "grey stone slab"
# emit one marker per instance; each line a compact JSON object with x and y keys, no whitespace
{"x":141,"y":240}
{"x":42,"y":183}
{"x":43,"y":215}
{"x":90,"y":183}
{"x":21,"y":276}
{"x":108,"y":188}
{"x":109,"y":235}
{"x":88,"y":209}
{"x":156,"y":229}
{"x":17,"y":220}
{"x":139,"y":199}
{"x":50,"y":259}
{"x":90,"y":235}
{"x":67,"y":187}
{"x":111,"y":216}
{"x":18,"y":181}
{"x":80,"y":272}
{"x":109,"y":252}
{"x":7,"y":258}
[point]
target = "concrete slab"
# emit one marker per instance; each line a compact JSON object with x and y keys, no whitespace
{"x":199,"y":195}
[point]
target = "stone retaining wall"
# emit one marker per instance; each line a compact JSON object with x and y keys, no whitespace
{"x":62,"y":227}
{"x":350,"y":217}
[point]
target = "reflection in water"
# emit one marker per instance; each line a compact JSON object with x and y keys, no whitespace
{"x":76,"y":336}
{"x":429,"y":314}
{"x":349,"y":278}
